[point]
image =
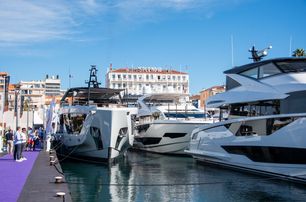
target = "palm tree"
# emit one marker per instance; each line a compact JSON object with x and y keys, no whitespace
{"x":299,"y":52}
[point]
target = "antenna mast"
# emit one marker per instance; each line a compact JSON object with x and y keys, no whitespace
{"x":93,"y":81}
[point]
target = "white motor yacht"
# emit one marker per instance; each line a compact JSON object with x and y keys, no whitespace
{"x":165,"y":123}
{"x":94,"y":124}
{"x":265,"y":132}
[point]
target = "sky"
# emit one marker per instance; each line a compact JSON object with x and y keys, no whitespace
{"x":201,"y":37}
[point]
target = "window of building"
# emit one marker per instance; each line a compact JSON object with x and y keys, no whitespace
{"x":124,"y":85}
{"x":135,"y":77}
{"x":158,"y":77}
{"x":119,"y":76}
{"x":147,"y":77}
{"x":113,"y":76}
{"x":184,"y":78}
{"x":119,"y":85}
{"x":124,"y":76}
{"x":152,"y":77}
{"x":114,"y":85}
{"x":179,"y":78}
{"x":173,"y":78}
{"x":129,"y":76}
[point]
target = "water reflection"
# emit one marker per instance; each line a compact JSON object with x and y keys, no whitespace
{"x":153,"y":177}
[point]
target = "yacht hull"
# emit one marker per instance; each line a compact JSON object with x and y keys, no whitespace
{"x":165,"y":137}
{"x":280,"y":154}
{"x":105,"y":138}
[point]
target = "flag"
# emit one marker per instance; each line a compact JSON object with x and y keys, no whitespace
{"x":50,"y":117}
{"x":7,"y":83}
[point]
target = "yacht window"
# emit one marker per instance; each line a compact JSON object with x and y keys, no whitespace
{"x":298,"y":66}
{"x":255,"y":109}
{"x":253,"y":73}
{"x":73,"y":123}
{"x":186,"y":115}
{"x":268,"y":70}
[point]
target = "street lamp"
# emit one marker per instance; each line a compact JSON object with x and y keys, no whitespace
{"x":17,"y":90}
{"x":33,"y":109}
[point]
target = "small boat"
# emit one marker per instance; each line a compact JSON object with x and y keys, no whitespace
{"x":165,"y":123}
{"x":265,"y":130}
{"x":94,"y":124}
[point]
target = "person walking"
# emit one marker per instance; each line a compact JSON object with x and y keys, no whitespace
{"x":17,"y":145}
{"x":23,"y":142}
{"x":9,"y":141}
{"x":36,"y":139}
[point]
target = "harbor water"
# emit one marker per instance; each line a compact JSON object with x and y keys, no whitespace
{"x":153,"y":177}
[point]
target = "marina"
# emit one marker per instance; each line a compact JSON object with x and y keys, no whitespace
{"x":152,"y":101}
{"x":155,"y":177}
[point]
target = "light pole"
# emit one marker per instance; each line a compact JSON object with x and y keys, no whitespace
{"x":33,"y":109}
{"x":17,"y":89}
{"x":27,"y":113}
{"x":2,"y":111}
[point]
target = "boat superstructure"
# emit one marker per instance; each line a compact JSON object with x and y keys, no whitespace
{"x":165,"y":123}
{"x":94,"y":123}
{"x":265,"y":132}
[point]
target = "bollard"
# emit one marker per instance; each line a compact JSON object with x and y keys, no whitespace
{"x":51,"y":151}
{"x":51,"y":158}
{"x":58,"y":179}
{"x":61,"y":194}
{"x":52,"y":163}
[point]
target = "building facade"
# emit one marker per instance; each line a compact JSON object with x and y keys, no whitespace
{"x":144,"y":80}
{"x":206,"y":93}
{"x":33,"y":97}
{"x":52,"y":85}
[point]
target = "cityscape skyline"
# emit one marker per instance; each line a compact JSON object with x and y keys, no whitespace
{"x":203,"y":38}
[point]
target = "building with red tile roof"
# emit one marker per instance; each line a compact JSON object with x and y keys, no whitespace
{"x":143,"y":80}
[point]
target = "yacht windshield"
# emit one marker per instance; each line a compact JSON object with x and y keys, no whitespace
{"x":187,"y":115}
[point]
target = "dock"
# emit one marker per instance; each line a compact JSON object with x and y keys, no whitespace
{"x":31,"y":180}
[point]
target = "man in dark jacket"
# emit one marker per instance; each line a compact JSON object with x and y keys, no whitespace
{"x":9,"y":141}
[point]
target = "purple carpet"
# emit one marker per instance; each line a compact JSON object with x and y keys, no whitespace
{"x":13,"y":175}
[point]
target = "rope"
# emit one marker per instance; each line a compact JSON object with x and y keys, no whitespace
{"x":58,"y":170}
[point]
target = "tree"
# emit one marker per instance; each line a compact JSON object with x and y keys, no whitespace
{"x":299,"y":52}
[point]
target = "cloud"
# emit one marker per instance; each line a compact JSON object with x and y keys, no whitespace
{"x":26,"y":22}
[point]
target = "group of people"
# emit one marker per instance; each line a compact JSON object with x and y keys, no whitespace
{"x":21,"y":140}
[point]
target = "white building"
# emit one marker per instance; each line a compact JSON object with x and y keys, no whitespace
{"x":52,"y":85}
{"x":33,"y":98}
{"x":32,"y":93}
{"x":143,"y":80}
